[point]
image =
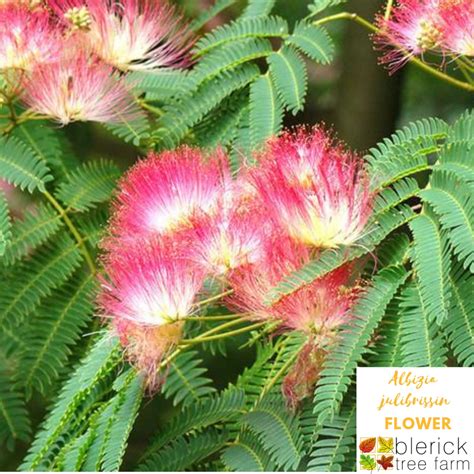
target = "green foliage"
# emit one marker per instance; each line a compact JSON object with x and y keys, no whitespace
{"x":36,"y":227}
{"x":30,"y":282}
{"x":460,"y":325}
{"x":14,"y":419}
{"x":5,"y":224}
{"x":252,"y":27}
{"x":431,"y":264}
{"x":258,"y":8}
{"x":278,"y":431}
{"x":266,"y":110}
{"x":334,"y":441}
{"x":56,"y":327}
{"x":421,"y":342}
{"x":20,"y":166}
{"x":185,"y":382}
{"x":289,"y":75}
{"x":88,"y":185}
{"x":313,"y":41}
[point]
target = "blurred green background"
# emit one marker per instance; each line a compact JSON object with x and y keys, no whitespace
{"x":353,"y":95}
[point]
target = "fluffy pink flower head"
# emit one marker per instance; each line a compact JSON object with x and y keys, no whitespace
{"x":314,"y":189}
{"x":457,"y":23}
{"x":150,"y":283}
{"x":161,"y":193}
{"x":317,"y":309}
{"x":412,"y":29}
{"x":77,"y":88}
{"x":146,"y":347}
{"x":232,"y":236}
{"x":130,"y":34}
{"x":27,"y":37}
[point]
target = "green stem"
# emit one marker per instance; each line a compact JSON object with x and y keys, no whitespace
{"x":200,"y":339}
{"x":388,"y":9}
{"x":220,"y":317}
{"x":282,"y":370}
{"x":434,"y":72}
{"x":79,"y":239}
{"x":214,"y":298}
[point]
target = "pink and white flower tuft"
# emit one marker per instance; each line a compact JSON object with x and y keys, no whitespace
{"x":130,"y":34}
{"x":150,"y":283}
{"x":234,"y":235}
{"x":457,"y":23}
{"x":314,"y":189}
{"x":161,"y":193}
{"x":27,"y":37}
{"x":78,"y":88}
{"x":412,"y":29}
{"x":318,"y":308}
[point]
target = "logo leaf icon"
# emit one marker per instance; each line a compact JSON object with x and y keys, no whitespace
{"x":385,"y":445}
{"x":385,"y":462}
{"x":367,"y":462}
{"x":367,"y":445}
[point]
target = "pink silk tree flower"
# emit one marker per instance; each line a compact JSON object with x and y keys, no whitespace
{"x":232,"y":236}
{"x":149,"y":283}
{"x":78,"y":88}
{"x":457,"y":23}
{"x":161,"y":193}
{"x":412,"y":29}
{"x":27,"y":37}
{"x":314,"y":189}
{"x":146,"y":347}
{"x":317,"y":309}
{"x":130,"y":34}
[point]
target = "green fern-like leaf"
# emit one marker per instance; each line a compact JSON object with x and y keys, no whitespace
{"x":334,"y":441}
{"x":459,"y":327}
{"x":204,"y":413}
{"x":186,"y":452}
{"x":405,"y":152}
{"x":290,"y":77}
{"x":313,"y":41}
{"x":266,"y":110}
{"x":185,"y":382}
{"x":255,"y":27}
{"x":89,"y":185}
{"x":204,"y":17}
{"x":32,"y":281}
{"x":101,"y":361}
{"x":14,"y":419}
{"x":431,"y":263}
{"x":278,"y":431}
{"x":20,"y":166}
{"x":341,"y":363}
{"x":457,"y":159}
{"x":421,"y":343}
{"x":55,"y":329}
{"x":319,"y":6}
{"x":36,"y":227}
{"x":463,"y":129}
{"x":247,"y":454}
{"x":159,"y":85}
{"x":230,"y":56}
{"x":455,"y":206}
{"x":134,"y":132}
{"x":191,"y":109}
{"x":258,"y":8}
{"x":131,"y":397}
{"x":396,"y":194}
{"x":5,"y":224}
{"x":49,"y":144}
